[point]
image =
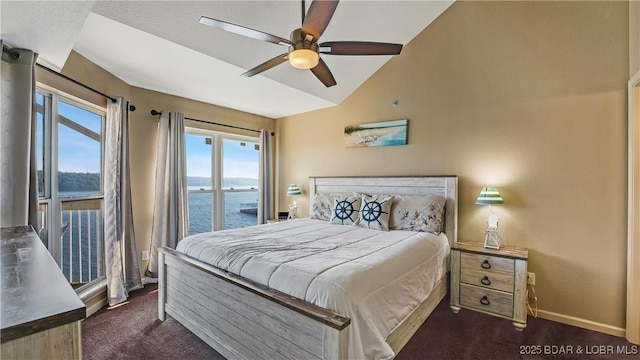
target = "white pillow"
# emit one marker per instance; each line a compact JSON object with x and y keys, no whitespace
{"x":374,"y":212}
{"x":345,"y":208}
{"x":418,"y":213}
{"x":321,"y":206}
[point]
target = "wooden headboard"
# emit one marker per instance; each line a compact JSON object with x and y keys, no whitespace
{"x":446,"y":186}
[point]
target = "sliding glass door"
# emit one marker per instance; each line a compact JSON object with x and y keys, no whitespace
{"x":222,"y":178}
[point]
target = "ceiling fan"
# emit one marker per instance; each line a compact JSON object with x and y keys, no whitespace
{"x":304,"y":50}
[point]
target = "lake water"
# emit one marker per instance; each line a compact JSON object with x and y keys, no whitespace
{"x":200,"y":211}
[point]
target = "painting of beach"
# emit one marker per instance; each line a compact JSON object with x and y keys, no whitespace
{"x":385,"y":133}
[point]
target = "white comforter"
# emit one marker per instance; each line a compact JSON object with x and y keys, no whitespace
{"x":376,"y":278}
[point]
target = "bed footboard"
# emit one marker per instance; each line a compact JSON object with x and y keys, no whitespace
{"x":242,"y":319}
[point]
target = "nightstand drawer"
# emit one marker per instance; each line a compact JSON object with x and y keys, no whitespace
{"x":487,"y":263}
{"x":493,"y":301}
{"x":488,"y":279}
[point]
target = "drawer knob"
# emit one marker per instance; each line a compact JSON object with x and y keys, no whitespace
{"x":485,"y":301}
{"x":485,"y":281}
{"x":485,"y":264}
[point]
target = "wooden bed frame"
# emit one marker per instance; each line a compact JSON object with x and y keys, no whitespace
{"x":242,"y":319}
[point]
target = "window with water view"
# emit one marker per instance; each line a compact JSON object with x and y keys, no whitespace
{"x":222,"y":178}
{"x":69,"y":140}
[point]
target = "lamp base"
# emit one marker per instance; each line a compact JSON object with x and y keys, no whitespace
{"x":492,"y":239}
{"x":293,"y":210}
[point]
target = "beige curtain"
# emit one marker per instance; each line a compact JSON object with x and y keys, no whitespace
{"x":121,"y":260}
{"x":170,"y":213}
{"x":265,"y":178}
{"x":18,"y":176}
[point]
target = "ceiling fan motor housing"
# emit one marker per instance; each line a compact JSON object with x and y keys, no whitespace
{"x":302,"y":41}
{"x":303,"y":53}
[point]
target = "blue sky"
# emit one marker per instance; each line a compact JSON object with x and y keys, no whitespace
{"x":238,"y":161}
{"x":76,"y":152}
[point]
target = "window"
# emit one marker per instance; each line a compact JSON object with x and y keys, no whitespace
{"x":69,"y":140}
{"x":222,"y":178}
{"x":79,"y":150}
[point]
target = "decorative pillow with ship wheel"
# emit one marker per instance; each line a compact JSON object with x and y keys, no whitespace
{"x":345,"y":208}
{"x":374,"y":212}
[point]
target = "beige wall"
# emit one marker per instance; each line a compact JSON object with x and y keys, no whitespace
{"x":526,"y":96}
{"x":84,"y":71}
{"x":144,"y":127}
{"x":634,"y":36}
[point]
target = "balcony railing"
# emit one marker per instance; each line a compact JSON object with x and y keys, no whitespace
{"x":80,"y":249}
{"x":82,"y":240}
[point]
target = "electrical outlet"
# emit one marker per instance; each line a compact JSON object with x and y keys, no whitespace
{"x":531,"y":278}
{"x":145,"y":255}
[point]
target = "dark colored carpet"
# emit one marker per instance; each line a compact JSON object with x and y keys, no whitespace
{"x":133,"y":331}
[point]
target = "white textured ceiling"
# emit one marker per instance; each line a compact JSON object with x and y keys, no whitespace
{"x":159,"y":45}
{"x":49,"y":28}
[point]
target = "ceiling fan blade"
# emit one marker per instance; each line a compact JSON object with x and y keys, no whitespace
{"x":244,"y":31}
{"x":318,"y":17}
{"x":322,"y":72}
{"x":267,"y":65}
{"x":359,"y":48}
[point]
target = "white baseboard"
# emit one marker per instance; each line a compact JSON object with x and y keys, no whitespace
{"x":582,"y":323}
{"x":96,"y":306}
{"x":93,"y":295}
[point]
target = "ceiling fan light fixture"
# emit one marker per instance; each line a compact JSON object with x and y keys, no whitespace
{"x":304,"y":59}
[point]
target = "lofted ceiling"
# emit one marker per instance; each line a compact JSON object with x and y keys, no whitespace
{"x":161,"y":46}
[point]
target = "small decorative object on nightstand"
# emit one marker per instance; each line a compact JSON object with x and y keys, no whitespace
{"x":293,"y":190}
{"x":491,"y":196}
{"x":490,"y":281}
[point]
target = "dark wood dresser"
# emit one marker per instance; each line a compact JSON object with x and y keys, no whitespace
{"x":41,"y":312}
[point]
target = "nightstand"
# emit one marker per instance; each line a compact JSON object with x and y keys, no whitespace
{"x":490,"y":281}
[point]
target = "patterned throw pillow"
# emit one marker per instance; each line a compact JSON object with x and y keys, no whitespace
{"x":418,"y":213}
{"x":321,"y":206}
{"x":374,"y":212}
{"x":345,"y":208}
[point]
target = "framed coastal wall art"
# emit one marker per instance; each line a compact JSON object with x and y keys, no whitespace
{"x":384,"y":133}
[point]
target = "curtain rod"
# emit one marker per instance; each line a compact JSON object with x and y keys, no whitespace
{"x":14,"y":54}
{"x":78,"y":83}
{"x":131,"y":107}
{"x":155,"y":112}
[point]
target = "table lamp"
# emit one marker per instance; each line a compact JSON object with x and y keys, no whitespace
{"x":293,"y":190}
{"x":491,"y":196}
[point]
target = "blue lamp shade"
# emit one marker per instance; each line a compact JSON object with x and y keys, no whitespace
{"x":489,"y":196}
{"x":293,"y":190}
